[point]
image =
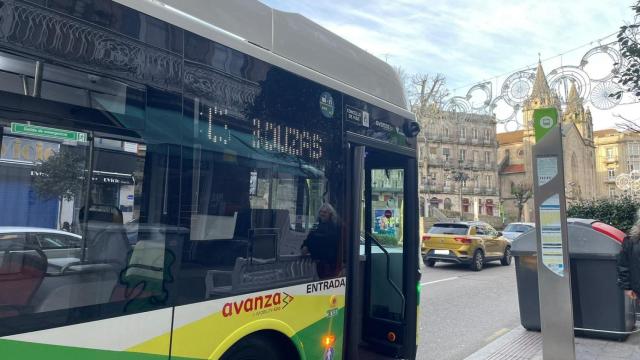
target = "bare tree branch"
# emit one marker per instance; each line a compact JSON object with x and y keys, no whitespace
{"x":627,"y":124}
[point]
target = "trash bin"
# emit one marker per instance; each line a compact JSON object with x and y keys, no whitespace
{"x":600,"y":308}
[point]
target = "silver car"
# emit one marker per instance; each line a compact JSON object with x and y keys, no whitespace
{"x":513,"y":230}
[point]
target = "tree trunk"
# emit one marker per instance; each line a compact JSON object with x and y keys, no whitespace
{"x":60,"y":199}
{"x":520,"y":207}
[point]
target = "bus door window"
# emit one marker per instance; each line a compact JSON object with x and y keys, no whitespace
{"x":387,"y":209}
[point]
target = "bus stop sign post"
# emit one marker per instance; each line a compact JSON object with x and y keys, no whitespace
{"x":554,"y":280}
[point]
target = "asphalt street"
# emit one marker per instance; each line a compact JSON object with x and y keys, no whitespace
{"x":461,"y":311}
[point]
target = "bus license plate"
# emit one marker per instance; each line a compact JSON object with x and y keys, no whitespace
{"x":441,"y":252}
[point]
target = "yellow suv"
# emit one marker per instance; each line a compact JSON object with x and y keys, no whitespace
{"x":473,"y":243}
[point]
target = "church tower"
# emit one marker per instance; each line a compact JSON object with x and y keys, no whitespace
{"x":541,"y":97}
{"x":575,"y":113}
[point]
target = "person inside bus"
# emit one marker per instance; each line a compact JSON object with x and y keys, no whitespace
{"x":322,"y":242}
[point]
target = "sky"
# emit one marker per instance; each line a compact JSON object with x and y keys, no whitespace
{"x":471,"y":41}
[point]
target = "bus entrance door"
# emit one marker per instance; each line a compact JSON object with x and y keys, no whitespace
{"x":387,"y":253}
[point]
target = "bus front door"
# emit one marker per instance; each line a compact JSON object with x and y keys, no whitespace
{"x":385,"y":223}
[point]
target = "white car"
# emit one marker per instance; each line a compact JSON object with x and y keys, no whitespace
{"x":513,"y":230}
{"x":60,"y":247}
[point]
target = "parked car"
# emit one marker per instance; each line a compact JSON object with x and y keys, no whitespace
{"x":59,"y":247}
{"x":472,"y":243}
{"x":40,"y":238}
{"x":513,"y":230}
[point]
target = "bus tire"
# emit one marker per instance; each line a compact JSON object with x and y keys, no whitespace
{"x":260,"y":347}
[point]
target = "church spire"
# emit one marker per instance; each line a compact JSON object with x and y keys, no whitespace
{"x":573,"y":100}
{"x":541,"y":88}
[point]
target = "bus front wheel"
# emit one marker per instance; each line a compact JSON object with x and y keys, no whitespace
{"x":256,"y":347}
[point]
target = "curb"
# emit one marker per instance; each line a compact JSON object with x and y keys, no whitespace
{"x":516,"y":344}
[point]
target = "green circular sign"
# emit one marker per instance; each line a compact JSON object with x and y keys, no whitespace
{"x":327,"y":106}
{"x":546,"y":122}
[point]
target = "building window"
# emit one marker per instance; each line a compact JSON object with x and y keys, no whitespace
{"x":633,"y":165}
{"x":487,"y":157}
{"x":634,"y":150}
{"x":488,"y":180}
{"x":475,"y":133}
{"x":609,"y":153}
{"x":612,"y":191}
{"x":447,"y":204}
{"x":475,"y":156}
{"x":464,"y":183}
{"x":445,"y":132}
{"x":445,"y":153}
{"x":463,"y":154}
{"x":463,"y":132}
{"x":611,"y":173}
{"x":487,"y":134}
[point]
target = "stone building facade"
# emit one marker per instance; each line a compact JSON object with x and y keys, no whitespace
{"x":515,"y":152}
{"x":616,"y":153}
{"x":458,"y":164}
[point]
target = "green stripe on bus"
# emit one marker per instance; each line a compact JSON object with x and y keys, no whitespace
{"x":21,"y":350}
{"x":312,"y":335}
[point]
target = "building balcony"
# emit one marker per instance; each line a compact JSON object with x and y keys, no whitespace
{"x":490,"y":191}
{"x":434,"y":161}
{"x":611,"y":160}
{"x":486,"y":141}
{"x":475,"y":141}
{"x":431,"y":188}
{"x":438,"y":138}
{"x":489,"y":166}
{"x":477,"y":191}
{"x":610,"y":180}
{"x":447,"y":189}
{"x":462,"y":140}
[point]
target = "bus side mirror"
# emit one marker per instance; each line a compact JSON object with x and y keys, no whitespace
{"x":411,"y":129}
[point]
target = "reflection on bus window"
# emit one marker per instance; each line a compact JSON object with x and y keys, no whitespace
{"x":254,"y":209}
{"x":64,"y":246}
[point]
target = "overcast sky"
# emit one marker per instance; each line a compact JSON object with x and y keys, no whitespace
{"x":468,"y":40}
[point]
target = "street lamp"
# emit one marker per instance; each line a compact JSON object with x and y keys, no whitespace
{"x":458,"y":176}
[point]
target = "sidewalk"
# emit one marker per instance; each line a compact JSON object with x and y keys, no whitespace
{"x":520,"y":344}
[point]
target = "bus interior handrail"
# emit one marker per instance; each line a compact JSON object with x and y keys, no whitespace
{"x":388,"y":270}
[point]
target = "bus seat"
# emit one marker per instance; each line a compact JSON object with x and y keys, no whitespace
{"x":80,"y":285}
{"x":107,"y":243}
{"x":21,"y":274}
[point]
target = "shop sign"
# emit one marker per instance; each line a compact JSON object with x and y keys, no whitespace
{"x":28,"y":150}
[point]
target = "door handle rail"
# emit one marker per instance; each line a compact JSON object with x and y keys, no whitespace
{"x":388,"y":270}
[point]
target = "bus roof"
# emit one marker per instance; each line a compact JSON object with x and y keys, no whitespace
{"x":287,"y":40}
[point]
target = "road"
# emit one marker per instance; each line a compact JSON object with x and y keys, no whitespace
{"x":461,"y":311}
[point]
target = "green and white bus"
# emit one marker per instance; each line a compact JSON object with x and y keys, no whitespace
{"x":200,"y":180}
